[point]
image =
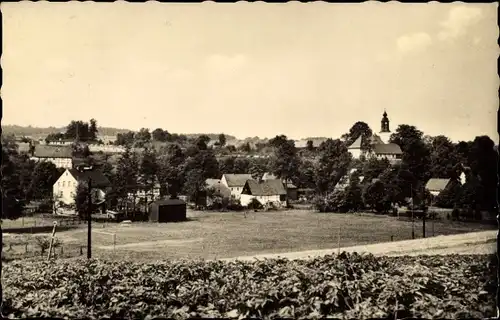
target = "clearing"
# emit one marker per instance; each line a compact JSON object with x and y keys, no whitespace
{"x":211,"y":235}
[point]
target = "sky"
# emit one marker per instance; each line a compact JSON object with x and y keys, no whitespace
{"x":252,"y":69}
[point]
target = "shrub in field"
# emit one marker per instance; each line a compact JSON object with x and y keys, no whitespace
{"x":43,"y":242}
{"x":344,"y":286}
{"x":254,"y":204}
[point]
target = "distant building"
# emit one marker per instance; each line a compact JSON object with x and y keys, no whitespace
{"x":292,"y":190}
{"x":380,"y":146}
{"x":436,"y":185}
{"x":268,"y":191}
{"x":235,"y":183}
{"x":64,"y":189}
{"x":60,"y":142}
{"x":61,"y":157}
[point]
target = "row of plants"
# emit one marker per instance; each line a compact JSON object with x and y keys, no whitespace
{"x":339,"y":286}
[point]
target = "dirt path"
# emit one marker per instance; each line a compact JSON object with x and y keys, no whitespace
{"x":149,"y":244}
{"x":469,"y":243}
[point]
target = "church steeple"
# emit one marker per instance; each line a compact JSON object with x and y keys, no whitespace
{"x":384,"y":128}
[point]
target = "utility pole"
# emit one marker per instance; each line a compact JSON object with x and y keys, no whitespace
{"x":412,"y":215}
{"x":89,"y":221}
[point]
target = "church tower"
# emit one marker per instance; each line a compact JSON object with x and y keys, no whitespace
{"x":385,"y":132}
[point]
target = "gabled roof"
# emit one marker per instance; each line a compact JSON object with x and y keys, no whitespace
{"x":387,"y":148}
{"x":45,"y":151}
{"x":237,"y":180}
{"x":265,"y":188}
{"x":437,"y":184}
{"x":356,"y":144}
{"x":270,"y":176}
{"x":99,"y":180}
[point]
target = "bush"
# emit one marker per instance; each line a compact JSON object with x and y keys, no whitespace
{"x":333,"y":202}
{"x":346,"y":286}
{"x":234,"y":205}
{"x":254,"y":204}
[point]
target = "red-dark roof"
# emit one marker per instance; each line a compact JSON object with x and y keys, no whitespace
{"x":265,"y":188}
{"x":389,"y":148}
{"x":237,"y":180}
{"x":98,"y":179}
{"x":44,"y":151}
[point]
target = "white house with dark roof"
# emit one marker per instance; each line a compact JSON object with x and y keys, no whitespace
{"x":380,"y":146}
{"x":64,"y":189}
{"x":268,"y":191}
{"x":60,"y":156}
{"x":235,"y":183}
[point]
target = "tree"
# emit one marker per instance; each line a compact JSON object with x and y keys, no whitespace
{"x":222,"y":140}
{"x":353,"y":193}
{"x":449,"y":197}
{"x":333,"y":163}
{"x":125,"y":139}
{"x":416,"y":154}
{"x":202,"y":141}
{"x":310,"y":145}
{"x":45,"y":174}
{"x":227,"y":165}
{"x":373,"y":168}
{"x":171,"y":170}
{"x":93,"y":130}
{"x":257,"y":168}
{"x":127,"y":172}
{"x":374,"y":197}
{"x":306,"y":176}
{"x":443,"y":158}
{"x":160,"y":135}
{"x":483,"y":160}
{"x":143,"y":135}
{"x":241,"y":165}
{"x":284,"y":162}
{"x":148,"y":171}
{"x":12,"y":195}
{"x":360,"y":129}
{"x":195,"y":185}
{"x":245,"y":147}
{"x":82,"y":200}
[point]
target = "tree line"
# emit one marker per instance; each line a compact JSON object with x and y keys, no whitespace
{"x":184,"y":167}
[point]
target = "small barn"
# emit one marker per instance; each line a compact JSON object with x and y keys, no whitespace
{"x":169,"y":210}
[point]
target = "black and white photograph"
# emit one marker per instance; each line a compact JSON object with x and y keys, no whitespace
{"x":249,"y":160}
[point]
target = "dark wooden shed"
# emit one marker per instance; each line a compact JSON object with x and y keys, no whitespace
{"x":169,"y":210}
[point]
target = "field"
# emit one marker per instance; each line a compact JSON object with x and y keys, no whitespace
{"x":345,"y":286}
{"x":210,"y":235}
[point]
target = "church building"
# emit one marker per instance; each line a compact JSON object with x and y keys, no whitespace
{"x":379,"y":143}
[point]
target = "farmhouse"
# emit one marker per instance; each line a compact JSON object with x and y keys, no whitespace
{"x":291,"y":189}
{"x":61,"y":157}
{"x":269,"y":191}
{"x":436,"y":185}
{"x":380,"y":146}
{"x":64,"y":189}
{"x":235,"y":183}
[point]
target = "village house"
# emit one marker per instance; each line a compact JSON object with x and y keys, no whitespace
{"x":60,"y":142}
{"x":380,"y":146}
{"x":235,"y":183}
{"x":268,"y":191}
{"x":61,"y":157}
{"x":346,"y":180}
{"x":292,"y":190}
{"x":437,"y":185}
{"x":64,"y":189}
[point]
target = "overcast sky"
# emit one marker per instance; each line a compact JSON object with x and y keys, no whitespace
{"x":252,"y":69}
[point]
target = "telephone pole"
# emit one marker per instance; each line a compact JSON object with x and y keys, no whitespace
{"x":89,"y":222}
{"x":412,"y":215}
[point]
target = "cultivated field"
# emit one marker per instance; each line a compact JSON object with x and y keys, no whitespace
{"x":211,"y":235}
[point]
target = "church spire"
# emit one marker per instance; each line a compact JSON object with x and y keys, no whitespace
{"x":384,"y":128}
